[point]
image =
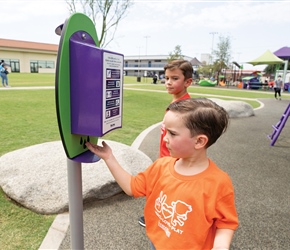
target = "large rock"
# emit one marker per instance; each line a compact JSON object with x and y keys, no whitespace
{"x":235,"y":109}
{"x":36,"y":176}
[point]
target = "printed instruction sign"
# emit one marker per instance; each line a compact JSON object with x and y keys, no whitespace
{"x":112,"y":91}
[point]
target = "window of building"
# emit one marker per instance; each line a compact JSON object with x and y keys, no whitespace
{"x":13,"y":64}
{"x":35,"y":65}
{"x":46,"y":64}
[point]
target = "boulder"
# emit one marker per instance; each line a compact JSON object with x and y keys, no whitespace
{"x":36,"y":176}
{"x":235,"y":109}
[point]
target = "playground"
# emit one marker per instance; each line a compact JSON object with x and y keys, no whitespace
{"x":261,"y":192}
{"x":234,"y":171}
{"x":255,"y":80}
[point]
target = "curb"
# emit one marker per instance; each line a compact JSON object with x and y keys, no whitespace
{"x":139,"y":139}
{"x":56,"y":232}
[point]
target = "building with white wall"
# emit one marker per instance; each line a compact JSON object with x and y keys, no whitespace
{"x":28,"y":57}
{"x":32,"y":57}
{"x":146,"y":65}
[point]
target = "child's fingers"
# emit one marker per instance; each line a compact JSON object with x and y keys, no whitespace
{"x":91,"y":146}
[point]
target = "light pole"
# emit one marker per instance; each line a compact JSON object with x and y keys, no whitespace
{"x":238,"y":56}
{"x":213,"y":34}
{"x":146,"y":37}
{"x":138,"y":76}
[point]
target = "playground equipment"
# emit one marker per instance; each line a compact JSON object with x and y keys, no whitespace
{"x":279,"y":126}
{"x":222,"y":83}
{"x":240,"y":85}
{"x":88,"y":95}
{"x":251,"y":82}
{"x":207,"y":83}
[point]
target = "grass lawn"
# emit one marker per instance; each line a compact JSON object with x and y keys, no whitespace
{"x":28,"y":117}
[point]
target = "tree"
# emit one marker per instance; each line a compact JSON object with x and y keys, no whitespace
{"x":176,"y":54}
{"x":222,"y":54}
{"x":205,"y":70}
{"x":271,"y":69}
{"x":105,"y":14}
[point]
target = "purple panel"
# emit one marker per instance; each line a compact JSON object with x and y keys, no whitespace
{"x":86,"y":157}
{"x":86,"y":78}
{"x":283,"y":53}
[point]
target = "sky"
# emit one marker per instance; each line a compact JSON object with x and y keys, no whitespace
{"x":156,"y":27}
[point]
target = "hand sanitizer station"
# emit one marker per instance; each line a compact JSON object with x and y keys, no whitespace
{"x":89,"y":98}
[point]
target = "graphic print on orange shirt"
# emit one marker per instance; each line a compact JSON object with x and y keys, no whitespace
{"x":172,"y":216}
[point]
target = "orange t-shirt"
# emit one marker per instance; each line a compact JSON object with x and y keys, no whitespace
{"x":183,"y":212}
{"x":163,"y":150}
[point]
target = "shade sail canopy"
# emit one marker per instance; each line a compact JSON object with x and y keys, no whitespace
{"x":267,"y":58}
{"x":283,"y":53}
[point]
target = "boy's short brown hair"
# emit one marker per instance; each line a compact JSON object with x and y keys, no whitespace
{"x":202,"y":116}
{"x":183,"y":65}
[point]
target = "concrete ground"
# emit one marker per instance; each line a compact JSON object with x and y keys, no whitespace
{"x":260,"y":174}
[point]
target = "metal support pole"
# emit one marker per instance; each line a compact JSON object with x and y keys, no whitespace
{"x":212,"y":33}
{"x":285,"y":71}
{"x":146,"y":37}
{"x":75,"y":194}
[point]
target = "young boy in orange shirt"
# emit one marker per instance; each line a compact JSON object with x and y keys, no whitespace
{"x":189,"y":200}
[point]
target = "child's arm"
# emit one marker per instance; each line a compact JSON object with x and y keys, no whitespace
{"x":223,"y":238}
{"x":122,"y":177}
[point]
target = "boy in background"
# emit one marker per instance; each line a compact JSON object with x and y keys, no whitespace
{"x":178,"y":77}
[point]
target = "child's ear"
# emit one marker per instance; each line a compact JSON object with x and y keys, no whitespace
{"x":188,"y":82}
{"x":201,"y":141}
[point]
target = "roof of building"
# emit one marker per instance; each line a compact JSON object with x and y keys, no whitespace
{"x":195,"y":62}
{"x":17,"y":44}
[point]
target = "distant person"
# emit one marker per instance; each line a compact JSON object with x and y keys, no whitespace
{"x":155,"y":78}
{"x":271,"y":83}
{"x":278,"y":85}
{"x":178,"y":77}
{"x":4,"y":72}
{"x":266,"y":84}
{"x":189,"y":200}
{"x":1,"y":69}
